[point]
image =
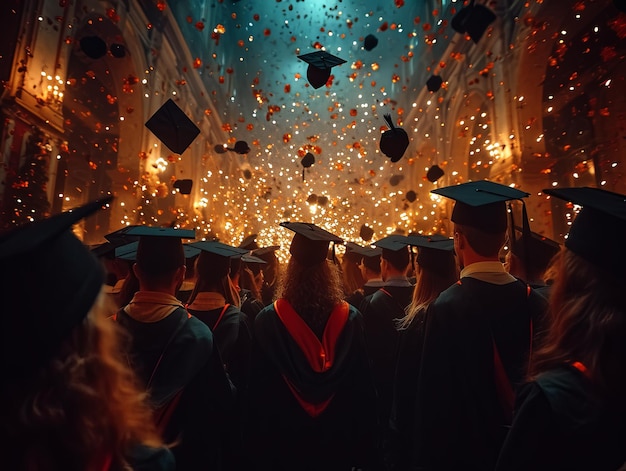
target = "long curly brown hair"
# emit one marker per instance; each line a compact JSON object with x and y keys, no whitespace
{"x":80,"y":409}
{"x":313,"y":291}
{"x":587,"y":319}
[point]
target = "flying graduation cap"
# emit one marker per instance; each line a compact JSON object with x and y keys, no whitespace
{"x":599,"y":230}
{"x":482,"y":204}
{"x":473,"y":19}
{"x":320,"y":63}
{"x":172,"y":126}
{"x":184,"y":186}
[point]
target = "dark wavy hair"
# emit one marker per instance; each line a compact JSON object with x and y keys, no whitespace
{"x":587,"y":318}
{"x":81,"y":408}
{"x":313,"y":291}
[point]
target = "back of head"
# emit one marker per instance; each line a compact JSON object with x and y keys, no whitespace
{"x":399,"y":259}
{"x":159,"y":257}
{"x":49,"y":284}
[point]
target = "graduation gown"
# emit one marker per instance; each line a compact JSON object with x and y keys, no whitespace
{"x":305,"y":415}
{"x":560,"y":424}
{"x":380,"y":311}
{"x":231,"y":332}
{"x":189,"y":371}
{"x":461,"y":414}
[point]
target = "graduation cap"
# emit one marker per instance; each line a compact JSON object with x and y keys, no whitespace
{"x":160,"y":250}
{"x":395,"y":250}
{"x":306,"y":162}
{"x":309,"y":245}
{"x":122,"y":236}
{"x":50,"y":281}
{"x":366,"y":233}
{"x":394,"y":141}
{"x":127,"y":252}
{"x":434,"y":173}
{"x":535,"y":250}
{"x":172,"y":126}
{"x":434,"y":253}
{"x":369,"y":256}
{"x":264,"y":251}
{"x":320,"y":63}
{"x":240,"y":147}
{"x":482,"y":204}
{"x":93,"y":46}
{"x":370,"y":42}
{"x":184,"y":186}
{"x":599,"y":231}
{"x":411,"y":196}
{"x":215,"y":256}
{"x":434,"y":83}
{"x":473,"y":20}
{"x":249,"y":242}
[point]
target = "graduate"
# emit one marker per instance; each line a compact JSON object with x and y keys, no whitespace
{"x":69,"y":401}
{"x":571,"y":414}
{"x":369,"y":265}
{"x":175,"y":356}
{"x":436,"y":270}
{"x":478,"y":335}
{"x":381,"y":312}
{"x":215,"y":301}
{"x":312,"y":399}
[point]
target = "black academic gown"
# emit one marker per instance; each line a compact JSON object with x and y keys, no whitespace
{"x":250,"y":306}
{"x":380,"y":312}
{"x":460,"y":417}
{"x":369,"y":288}
{"x":281,"y":434}
{"x":560,"y":424}
{"x":232,"y":335}
{"x":189,"y":371}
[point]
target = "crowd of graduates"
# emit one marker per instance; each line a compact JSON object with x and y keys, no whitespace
{"x":154,"y":351}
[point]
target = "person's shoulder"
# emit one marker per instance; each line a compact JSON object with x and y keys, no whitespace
{"x":196,"y":333}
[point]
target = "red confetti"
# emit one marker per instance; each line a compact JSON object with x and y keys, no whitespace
{"x":200,"y":26}
{"x":399,"y":3}
{"x":256,"y":17}
{"x":286,"y":138}
{"x":267,"y":32}
{"x":384,"y":26}
{"x":161,"y":4}
{"x":287,"y":88}
{"x":112,"y":15}
{"x":197,"y":63}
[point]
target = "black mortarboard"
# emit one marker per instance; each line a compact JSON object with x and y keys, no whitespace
{"x":160,"y":249}
{"x":217,"y":255}
{"x":366,"y":233}
{"x":93,"y":46}
{"x":249,"y":258}
{"x":394,"y":249}
{"x":534,"y":250}
{"x":434,"y":173}
{"x":184,"y":186}
{"x":49,"y":283}
{"x":599,"y":231}
{"x":481,"y":204}
{"x":306,"y":162}
{"x":172,"y":126}
{"x":394,"y":141}
{"x":249,"y":242}
{"x":435,"y":252}
{"x":127,"y":251}
{"x":122,"y":236}
{"x":434,"y":83}
{"x":309,"y":245}
{"x":369,"y":256}
{"x":473,"y":20}
{"x":263,"y":251}
{"x":370,"y":42}
{"x":320,"y":63}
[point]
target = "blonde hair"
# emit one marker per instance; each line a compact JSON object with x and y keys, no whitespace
{"x":428,"y":287}
{"x":80,"y":409}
